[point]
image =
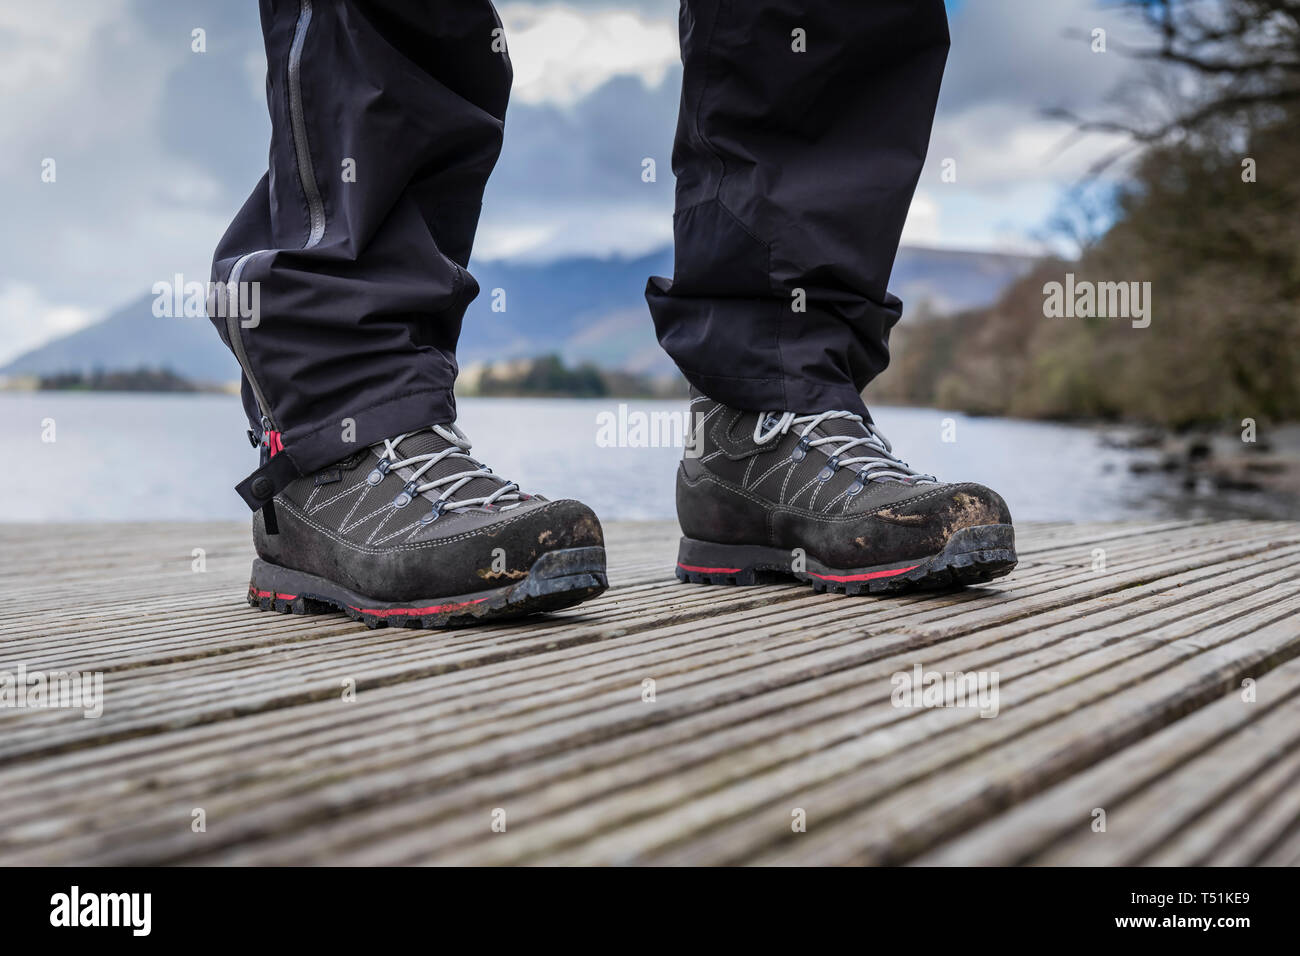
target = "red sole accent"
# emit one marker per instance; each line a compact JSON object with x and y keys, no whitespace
{"x":838,"y":578}
{"x":409,"y":611}
{"x":841,"y":578}
{"x":691,"y":567}
{"x":272,"y":594}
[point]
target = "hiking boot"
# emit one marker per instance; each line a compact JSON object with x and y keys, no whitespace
{"x":821,"y":498}
{"x":413,"y":531}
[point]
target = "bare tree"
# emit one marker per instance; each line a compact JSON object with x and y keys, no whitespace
{"x":1218,"y":64}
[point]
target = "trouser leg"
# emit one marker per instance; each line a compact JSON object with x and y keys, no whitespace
{"x":387,"y":119}
{"x":795,"y":171}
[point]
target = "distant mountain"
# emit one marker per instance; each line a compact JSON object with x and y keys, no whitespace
{"x":594,"y":309}
{"x":585,"y":309}
{"x":132,"y":338}
{"x":951,"y":280}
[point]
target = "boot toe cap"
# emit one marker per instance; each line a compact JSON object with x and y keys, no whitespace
{"x":566,"y":523}
{"x":948,"y":508}
{"x":921,"y":526}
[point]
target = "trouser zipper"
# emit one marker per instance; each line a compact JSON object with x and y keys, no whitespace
{"x":234,"y":332}
{"x":262,"y":485}
{"x":302,"y":151}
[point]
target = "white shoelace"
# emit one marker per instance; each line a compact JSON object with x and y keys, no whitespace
{"x":450,"y":484}
{"x":883,"y":465}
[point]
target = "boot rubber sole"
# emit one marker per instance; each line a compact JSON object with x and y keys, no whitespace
{"x":972,"y":556}
{"x":557,"y":580}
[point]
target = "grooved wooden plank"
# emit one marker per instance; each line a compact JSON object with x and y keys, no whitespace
{"x":1110,"y":640}
{"x":916,"y":818}
{"x":858,"y":721}
{"x":1220,"y":736}
{"x":730,"y":823}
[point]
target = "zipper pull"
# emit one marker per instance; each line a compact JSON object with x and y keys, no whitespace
{"x":271,"y":443}
{"x":267,"y":447}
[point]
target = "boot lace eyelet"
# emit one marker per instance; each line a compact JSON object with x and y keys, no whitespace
{"x":826,"y":473}
{"x":377,"y":473}
{"x":435,"y":514}
{"x":406,"y":496}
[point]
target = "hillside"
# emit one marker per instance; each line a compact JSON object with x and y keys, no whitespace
{"x":583,"y":309}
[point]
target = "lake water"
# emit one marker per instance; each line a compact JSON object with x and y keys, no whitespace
{"x":177,"y":457}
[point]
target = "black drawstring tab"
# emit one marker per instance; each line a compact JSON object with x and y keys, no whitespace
{"x":269,"y":519}
{"x":274,"y":473}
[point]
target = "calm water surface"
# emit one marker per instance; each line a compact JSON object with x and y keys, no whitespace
{"x":153,"y":457}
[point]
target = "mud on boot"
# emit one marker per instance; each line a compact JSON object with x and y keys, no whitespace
{"x":415,"y":532}
{"x":765,"y":497}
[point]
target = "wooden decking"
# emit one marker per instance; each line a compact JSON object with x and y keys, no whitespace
{"x":1120,"y":689}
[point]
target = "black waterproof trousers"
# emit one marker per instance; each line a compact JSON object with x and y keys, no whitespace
{"x":802,"y":132}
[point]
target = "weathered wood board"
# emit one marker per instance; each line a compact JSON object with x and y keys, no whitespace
{"x":1147,"y":676}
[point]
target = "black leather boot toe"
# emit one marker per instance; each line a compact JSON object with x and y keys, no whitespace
{"x":415,"y":532}
{"x":822,"y":499}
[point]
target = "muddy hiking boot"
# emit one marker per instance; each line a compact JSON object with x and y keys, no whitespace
{"x":415,"y":532}
{"x":764,"y":497}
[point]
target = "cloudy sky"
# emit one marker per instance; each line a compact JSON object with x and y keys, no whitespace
{"x":156,"y":146}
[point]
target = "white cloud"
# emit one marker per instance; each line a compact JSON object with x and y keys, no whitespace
{"x":561,"y":54}
{"x":43,"y":51}
{"x":1011,"y":173}
{"x":255,"y":72}
{"x":922,"y":227}
{"x":53,"y":97}
{"x":156,"y":146}
{"x":86,"y":90}
{"x":538,"y":232}
{"x":1000,"y":146}
{"x":27,"y":319}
